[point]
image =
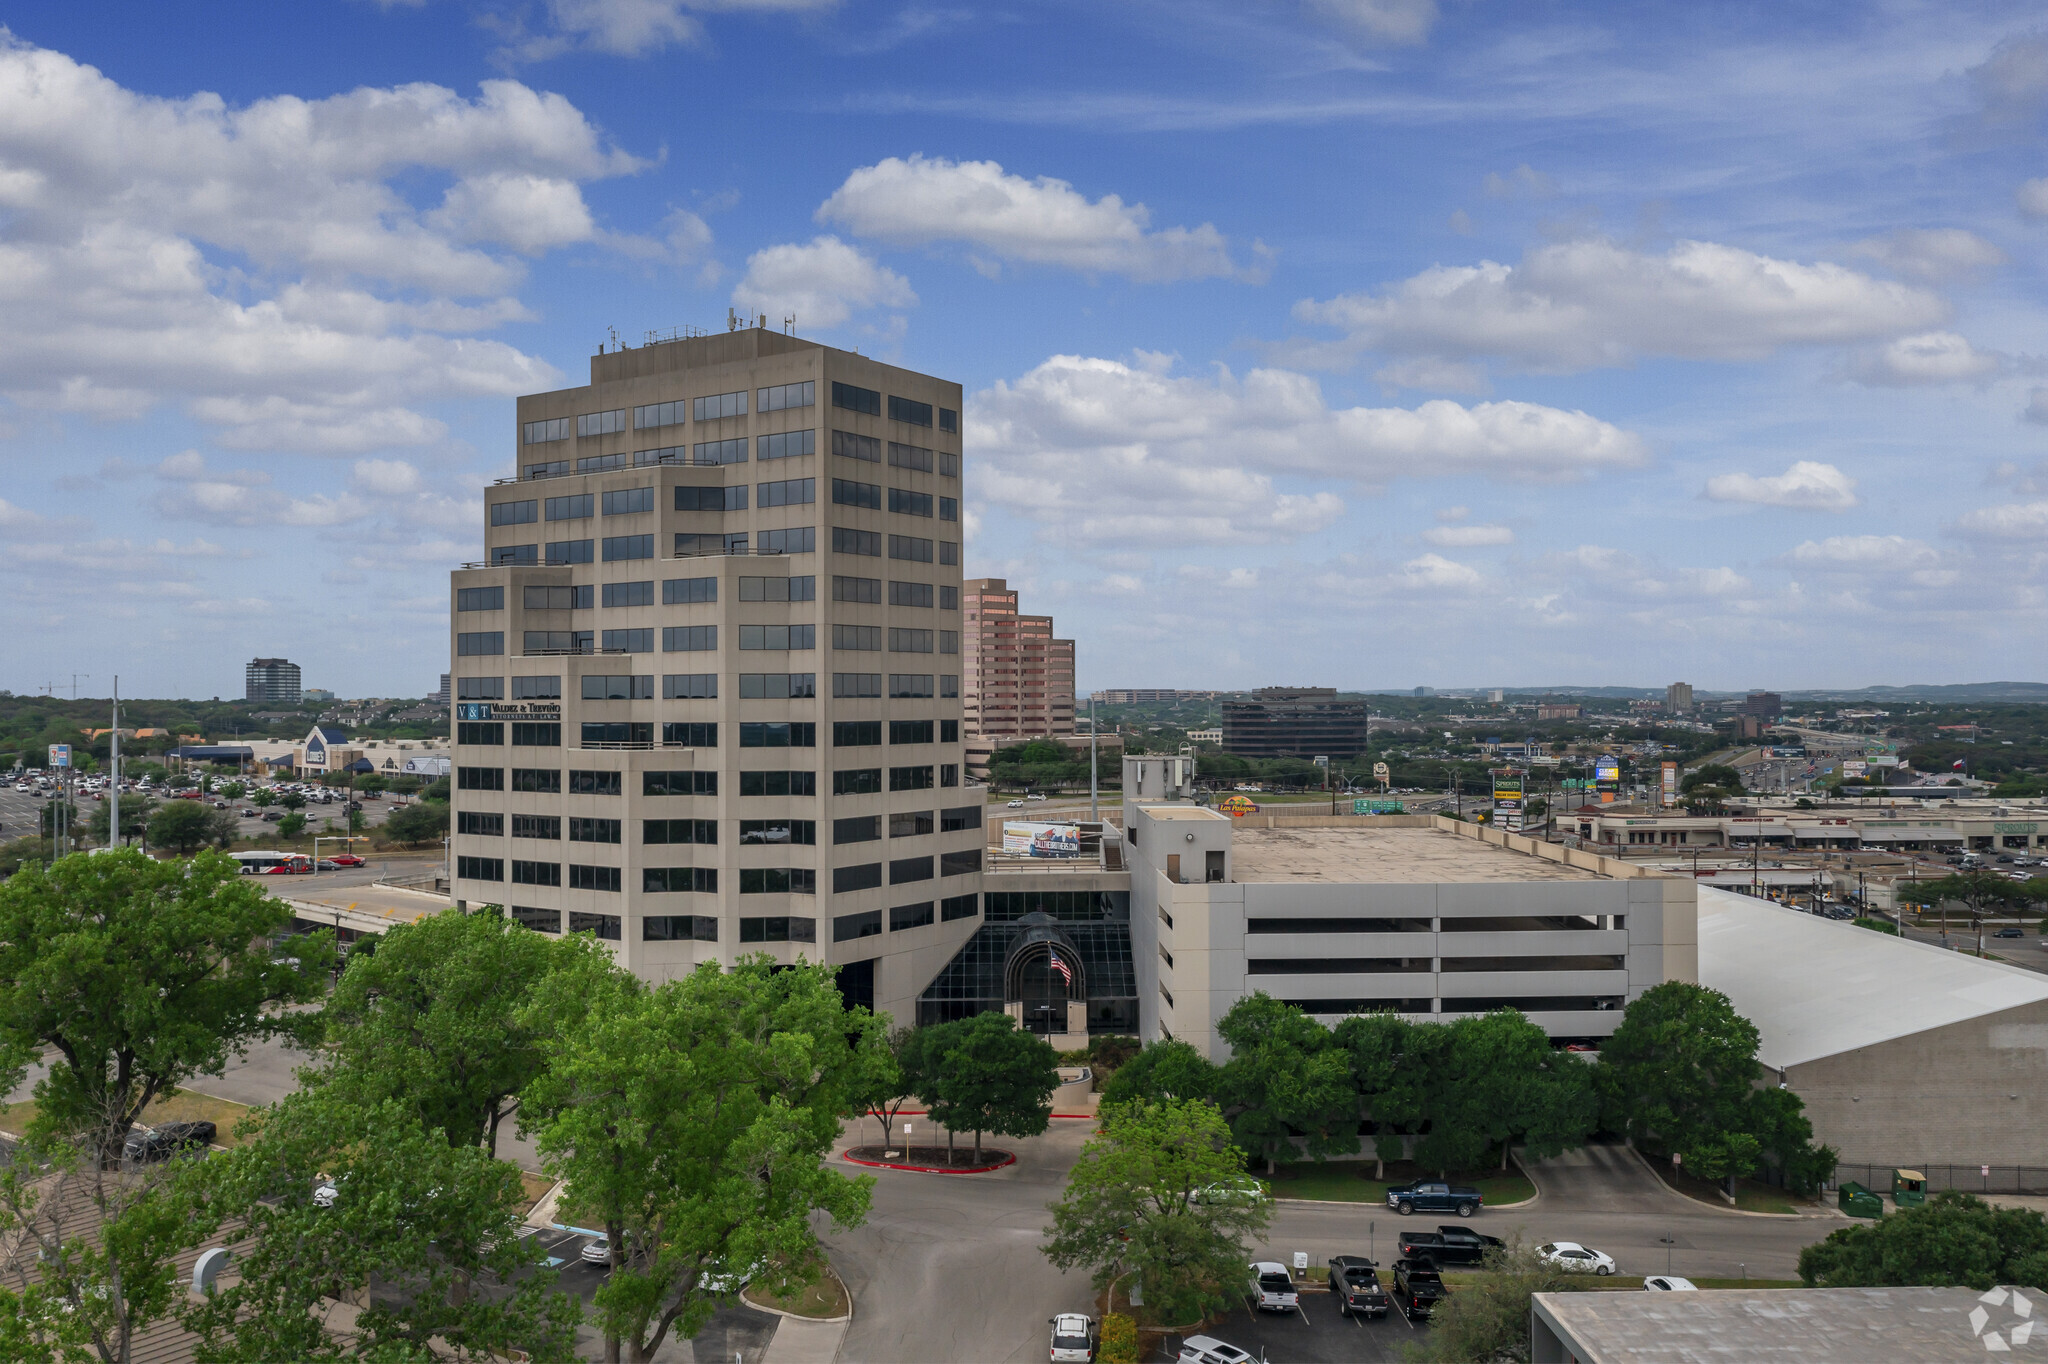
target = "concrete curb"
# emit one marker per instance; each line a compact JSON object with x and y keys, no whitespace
{"x":794,"y":1316}
{"x":851,"y":1159}
{"x":1692,"y":1202}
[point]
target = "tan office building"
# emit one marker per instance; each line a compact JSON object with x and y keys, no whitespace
{"x":1020,"y":680}
{"x":708,"y":674}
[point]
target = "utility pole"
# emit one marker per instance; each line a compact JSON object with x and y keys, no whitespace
{"x":74,"y":683}
{"x":114,"y":775}
{"x":1094,"y":812}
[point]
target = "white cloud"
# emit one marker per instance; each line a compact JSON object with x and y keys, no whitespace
{"x":1137,"y":451}
{"x":634,"y":28}
{"x":1381,"y":21}
{"x":2024,"y":521}
{"x":348,"y":301}
{"x":2032,"y":197}
{"x":1468,"y":537}
{"x":1861,"y":552}
{"x":386,"y":477}
{"x":2037,"y":407}
{"x":822,"y":282}
{"x":1433,"y":571}
{"x":1581,"y":304}
{"x":1447,"y":515}
{"x":1005,"y":217}
{"x":2014,"y":78}
{"x":1808,"y":485}
{"x":1929,"y":358}
{"x":1933,"y":254}
{"x":243,"y":497}
{"x":1519,"y":183}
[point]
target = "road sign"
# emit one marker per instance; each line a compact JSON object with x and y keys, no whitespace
{"x":1381,"y":773}
{"x":60,"y":755}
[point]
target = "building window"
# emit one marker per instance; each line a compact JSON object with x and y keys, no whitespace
{"x":906,"y":869}
{"x":679,"y":880}
{"x":659,"y":414}
{"x":583,"y":830}
{"x":960,"y":863}
{"x":856,"y":685}
{"x":958,"y":907}
{"x":958,"y":818}
{"x":788,"y":492}
{"x":949,"y":731}
{"x":910,"y":823}
{"x":554,"y":468}
{"x":848,"y":927}
{"x":910,"y":686}
{"x":479,"y":688}
{"x":574,"y":507}
{"x":856,"y":733}
{"x":718,"y":406}
{"x":847,"y":492}
{"x":910,"y":916}
{"x":536,"y":734}
{"x":536,"y":689}
{"x":910,"y":641}
{"x":779,"y":589}
{"x":621,"y":547}
{"x":778,"y":783}
{"x":779,"y":928}
{"x":910,"y":548}
{"x":515,"y":555}
{"x":593,"y":878}
{"x":788,"y":540}
{"x":910,"y":457}
{"x":867,"y":449}
{"x":545,"y":781}
{"x":786,"y":445}
{"x":949,"y":641}
{"x":857,"y":589}
{"x":566,"y":598}
{"x":679,"y":928}
{"x":629,"y":594}
{"x":949,"y":599}
{"x":732,"y":451}
{"x":594,"y":783}
{"x":688,"y":591}
{"x":949,"y":553}
{"x":479,"y":778}
{"x":540,"y":433}
{"x":949,"y":774}
{"x":780,"y":396}
{"x":479,"y":823}
{"x":910,"y":594}
{"x":910,"y":778}
{"x":949,"y":509}
{"x":910,"y":731}
{"x":686,"y":639}
{"x":778,"y":686}
{"x":689,"y":734}
{"x":480,"y":868}
{"x":601,"y":423}
{"x":778,"y":881}
{"x":778,"y":734}
{"x":863,"y":542}
{"x":782,"y":831}
{"x":617,"y":734}
{"x":866,"y":876}
{"x":858,"y":829}
{"x":689,"y":686}
{"x":678,"y":783}
{"x":857,"y":638}
{"x":636,"y":641}
{"x":515,"y":513}
{"x":571,"y":551}
{"x":536,"y":873}
{"x":537,"y":826}
{"x":714,"y":498}
{"x":477,"y":643}
{"x":910,"y":503}
{"x":782,"y":637}
{"x":857,"y":399}
{"x":857,"y":781}
{"x":479,"y":599}
{"x":605,"y":926}
{"x":949,"y":420}
{"x":539,"y":920}
{"x":480,"y":732}
{"x":558,"y":642}
{"x":597,"y":464}
{"x":949,"y":685}
{"x":912,"y":413}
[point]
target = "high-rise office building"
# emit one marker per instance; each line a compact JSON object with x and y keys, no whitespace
{"x":1294,"y":722}
{"x":707,"y":675}
{"x":1020,"y":680}
{"x":273,"y":681}
{"x":1678,"y":696}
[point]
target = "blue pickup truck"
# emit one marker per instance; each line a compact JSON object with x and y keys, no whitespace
{"x":1427,"y":1196}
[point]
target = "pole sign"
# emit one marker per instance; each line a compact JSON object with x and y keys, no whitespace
{"x":60,"y":755}
{"x":1607,"y":777}
{"x":1507,"y":799}
{"x":1381,"y":773}
{"x":1668,"y":783}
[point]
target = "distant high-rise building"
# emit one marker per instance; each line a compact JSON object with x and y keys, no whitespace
{"x":1496,"y":696}
{"x":1425,"y":691}
{"x":272,"y":681}
{"x":1294,"y":722}
{"x":1020,"y":680}
{"x":440,"y":697}
{"x":1678,"y":696}
{"x":1765,"y":705}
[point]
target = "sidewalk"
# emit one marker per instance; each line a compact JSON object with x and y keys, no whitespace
{"x":798,"y":1341}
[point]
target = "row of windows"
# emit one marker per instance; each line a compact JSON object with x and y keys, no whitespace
{"x":850,"y":927}
{"x":704,"y":832}
{"x":523,"y":689}
{"x":788,"y":540}
{"x":698,"y":686}
{"x":854,"y":781}
{"x":763,"y":928}
{"x":850,"y":492}
{"x":710,"y":453}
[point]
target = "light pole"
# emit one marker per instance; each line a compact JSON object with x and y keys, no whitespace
{"x":114,"y":776}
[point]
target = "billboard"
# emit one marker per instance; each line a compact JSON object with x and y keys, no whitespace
{"x":1238,"y":805}
{"x":1507,"y":799}
{"x":1667,"y":783}
{"x":1041,"y":840}
{"x":60,"y":755}
{"x":1853,"y":768}
{"x":1607,"y":777}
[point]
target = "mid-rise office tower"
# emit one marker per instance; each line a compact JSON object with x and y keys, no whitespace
{"x":272,"y":681}
{"x":707,"y":676}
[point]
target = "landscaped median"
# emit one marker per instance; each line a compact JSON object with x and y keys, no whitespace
{"x":932,"y":1160}
{"x":1352,"y":1181}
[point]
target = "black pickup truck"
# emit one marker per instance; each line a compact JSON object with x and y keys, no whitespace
{"x":1418,"y":1288}
{"x":1355,"y":1283}
{"x":1425,"y":1196}
{"x":1447,"y":1245}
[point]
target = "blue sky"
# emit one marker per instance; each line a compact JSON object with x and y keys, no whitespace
{"x":1365,"y":343}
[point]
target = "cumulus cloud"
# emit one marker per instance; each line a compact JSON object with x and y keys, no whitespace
{"x":1582,"y":304}
{"x":1002,"y":217}
{"x":823,"y":282}
{"x":1468,"y":537}
{"x":1436,"y":572}
{"x":1629,"y":576}
{"x":2013,"y":80}
{"x":1522,"y":182}
{"x":2022,"y":521}
{"x":1139,"y":451}
{"x":634,"y":28}
{"x":1929,"y":358}
{"x":1807,"y":486}
{"x":243,"y":497}
{"x":386,"y":477}
{"x":1932,"y":254}
{"x":1380,"y":21}
{"x":1858,"y":552}
{"x":353,"y":303}
{"x":2032,"y":197}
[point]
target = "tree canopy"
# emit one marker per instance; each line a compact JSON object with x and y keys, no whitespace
{"x":1166,"y":1069}
{"x":985,"y":1074}
{"x":1285,"y":1075}
{"x":1954,"y":1238}
{"x":423,"y":821}
{"x":1679,"y":1066}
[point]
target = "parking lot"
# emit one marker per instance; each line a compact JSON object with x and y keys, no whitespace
{"x":21,"y":812}
{"x":735,"y":1331}
{"x":1313,"y":1334}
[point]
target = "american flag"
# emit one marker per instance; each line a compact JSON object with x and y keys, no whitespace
{"x":1066,"y":972}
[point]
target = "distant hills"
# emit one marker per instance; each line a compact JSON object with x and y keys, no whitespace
{"x":1951,"y":692}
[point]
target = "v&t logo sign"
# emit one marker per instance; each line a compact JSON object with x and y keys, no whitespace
{"x":2003,"y":1319}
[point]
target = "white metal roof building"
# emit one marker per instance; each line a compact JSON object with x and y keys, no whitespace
{"x":1905,"y":1053}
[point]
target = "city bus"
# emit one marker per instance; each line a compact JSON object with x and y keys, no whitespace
{"x":256,"y":863}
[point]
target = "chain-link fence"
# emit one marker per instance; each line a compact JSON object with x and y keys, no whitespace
{"x":1977,"y":1179}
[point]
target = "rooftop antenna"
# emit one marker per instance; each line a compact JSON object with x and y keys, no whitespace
{"x":732,"y":320}
{"x":615,"y":336}
{"x":789,"y":325}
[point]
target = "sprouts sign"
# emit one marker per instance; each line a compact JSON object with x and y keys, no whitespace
{"x":1607,"y":777}
{"x":1507,"y":799}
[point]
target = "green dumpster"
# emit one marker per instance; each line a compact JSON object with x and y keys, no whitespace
{"x":1909,"y":1188}
{"x":1858,"y":1201}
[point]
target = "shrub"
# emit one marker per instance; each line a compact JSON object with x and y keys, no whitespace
{"x":1119,"y":1343}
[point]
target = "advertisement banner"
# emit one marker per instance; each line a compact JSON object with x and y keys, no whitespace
{"x":1238,"y":805}
{"x":1507,"y":799}
{"x":1667,"y":783}
{"x":1607,"y":777}
{"x":1041,"y":840}
{"x":1853,"y":768}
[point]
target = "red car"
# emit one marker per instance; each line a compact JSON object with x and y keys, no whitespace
{"x":346,"y":860}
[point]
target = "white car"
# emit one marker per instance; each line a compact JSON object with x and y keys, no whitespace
{"x":1573,"y":1256}
{"x":1670,"y":1283}
{"x":1246,"y":1190}
{"x":1209,"y":1350}
{"x":1015,"y":805}
{"x":324,"y":1194}
{"x":1274,"y":1287}
{"x":598,"y":1251}
{"x":1073,"y":1338}
{"x":1034,"y":797}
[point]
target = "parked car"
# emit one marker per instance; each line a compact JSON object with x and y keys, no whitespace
{"x":1074,"y":1336}
{"x":2008,"y":933}
{"x":166,"y":1140}
{"x":1355,"y":1283}
{"x":1418,"y":1288}
{"x":1209,"y":1350}
{"x":1669,"y":1283}
{"x":327,"y":864}
{"x":1015,"y":805}
{"x":1573,"y":1256}
{"x":272,"y":816}
{"x":598,"y":1251}
{"x":1427,"y":1196}
{"x":1272,"y":1287}
{"x":1447,"y":1245}
{"x":1245,"y":1190}
{"x":1034,"y":796}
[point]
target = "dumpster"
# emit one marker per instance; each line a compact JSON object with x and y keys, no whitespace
{"x":1909,"y":1188}
{"x":1858,"y":1201}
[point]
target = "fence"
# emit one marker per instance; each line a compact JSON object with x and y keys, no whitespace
{"x":1976,"y":1179}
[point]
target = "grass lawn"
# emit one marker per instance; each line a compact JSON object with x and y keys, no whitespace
{"x":1352,"y":1182}
{"x":822,"y":1300}
{"x":185,"y":1106}
{"x":1750,"y":1196}
{"x":536,"y":1187}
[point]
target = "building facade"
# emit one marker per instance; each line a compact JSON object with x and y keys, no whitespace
{"x":1020,"y":680}
{"x":1678,"y":696}
{"x":1294,"y":722}
{"x":708,"y":673}
{"x":272,"y":681}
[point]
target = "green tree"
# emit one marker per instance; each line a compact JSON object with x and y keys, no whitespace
{"x":423,"y":821}
{"x":135,"y":813}
{"x":292,"y":800}
{"x":893,"y":1085}
{"x":1488,"y":1317}
{"x":985,"y":1074}
{"x":292,"y":825}
{"x":1679,"y":1067}
{"x":263,"y":798}
{"x":1141,"y":1199}
{"x":1119,"y":1340}
{"x":1954,"y":1238}
{"x":1285,"y":1075}
{"x":1166,"y":1069}
{"x":1713,"y":774}
{"x":689,"y":1119}
{"x":1978,"y":891}
{"x":439,"y":789}
{"x":372,"y":781}
{"x":1777,"y":1119}
{"x":138,"y":974}
{"x":1374,"y":1045}
{"x":182,"y":826}
{"x":233,"y":790}
{"x":439,"y":1020}
{"x":1503,"y":1082}
{"x":433,"y":1223}
{"x":21,"y":851}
